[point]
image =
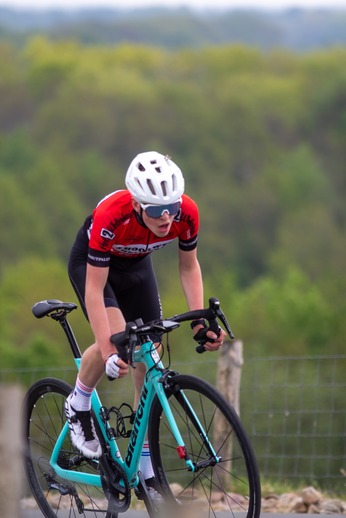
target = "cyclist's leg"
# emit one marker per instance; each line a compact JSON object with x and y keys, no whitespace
{"x":78,"y":405}
{"x":92,"y":365}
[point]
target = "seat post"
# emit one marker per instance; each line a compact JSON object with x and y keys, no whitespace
{"x":69,"y":334}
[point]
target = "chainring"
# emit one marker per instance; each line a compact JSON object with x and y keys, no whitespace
{"x":118,"y":500}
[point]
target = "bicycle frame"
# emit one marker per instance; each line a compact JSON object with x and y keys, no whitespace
{"x":148,"y":355}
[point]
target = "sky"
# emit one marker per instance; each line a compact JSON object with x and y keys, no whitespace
{"x":271,"y":4}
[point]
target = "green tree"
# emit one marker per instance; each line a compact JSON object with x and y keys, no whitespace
{"x":284,"y":316}
{"x":22,"y":285}
{"x":23,"y":230}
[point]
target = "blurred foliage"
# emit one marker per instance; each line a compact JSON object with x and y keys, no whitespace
{"x":295,"y":29}
{"x":261,"y":141}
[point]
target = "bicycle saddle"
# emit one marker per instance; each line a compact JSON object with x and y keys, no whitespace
{"x":45,"y":307}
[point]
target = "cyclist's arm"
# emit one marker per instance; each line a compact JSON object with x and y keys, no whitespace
{"x":96,"y":279}
{"x":191,"y":279}
{"x":192,"y":284}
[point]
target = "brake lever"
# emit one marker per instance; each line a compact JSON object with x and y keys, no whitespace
{"x":223,"y":319}
{"x":216,"y":311}
{"x":214,"y":304}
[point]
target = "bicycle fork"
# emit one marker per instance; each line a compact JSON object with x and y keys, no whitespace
{"x":188,"y":409}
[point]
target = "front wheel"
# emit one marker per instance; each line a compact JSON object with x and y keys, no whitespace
{"x":44,"y":419}
{"x":225,"y":476}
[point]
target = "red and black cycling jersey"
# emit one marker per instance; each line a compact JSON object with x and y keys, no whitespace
{"x":115,"y":228}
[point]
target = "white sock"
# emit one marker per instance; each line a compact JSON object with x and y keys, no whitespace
{"x":81,"y":399}
{"x":145,"y":465}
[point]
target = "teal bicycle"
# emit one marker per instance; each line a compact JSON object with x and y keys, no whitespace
{"x":200,"y":452}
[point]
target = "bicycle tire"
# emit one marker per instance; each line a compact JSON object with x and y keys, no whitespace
{"x":43,"y":420}
{"x":233,"y":484}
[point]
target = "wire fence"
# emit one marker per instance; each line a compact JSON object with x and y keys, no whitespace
{"x":293,"y":408}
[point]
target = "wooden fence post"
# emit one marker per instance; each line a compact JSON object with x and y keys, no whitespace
{"x":229,"y":367}
{"x":10,"y":451}
{"x":228,"y":377}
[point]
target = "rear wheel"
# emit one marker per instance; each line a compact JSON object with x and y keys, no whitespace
{"x":226,"y":477}
{"x":44,"y":419}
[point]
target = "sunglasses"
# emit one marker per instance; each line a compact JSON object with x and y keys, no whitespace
{"x":156,"y":211}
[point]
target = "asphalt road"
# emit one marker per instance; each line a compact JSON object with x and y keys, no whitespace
{"x":128,"y":514}
{"x":144,"y":514}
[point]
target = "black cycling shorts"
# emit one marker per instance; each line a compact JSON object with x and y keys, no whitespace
{"x":131,"y":286}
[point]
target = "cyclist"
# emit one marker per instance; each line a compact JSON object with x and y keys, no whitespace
{"x":111,"y":272}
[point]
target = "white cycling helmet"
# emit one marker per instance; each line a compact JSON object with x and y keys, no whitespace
{"x":154,"y":179}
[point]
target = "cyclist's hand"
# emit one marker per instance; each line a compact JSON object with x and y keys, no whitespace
{"x":115,"y":367}
{"x":202,"y":333}
{"x":217,"y":340}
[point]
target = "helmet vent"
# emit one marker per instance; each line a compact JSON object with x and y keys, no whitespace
{"x":157,"y":169}
{"x":140,"y":167}
{"x":151,"y":187}
{"x":174,"y":183}
{"x":139,"y":184}
{"x":164,"y":188}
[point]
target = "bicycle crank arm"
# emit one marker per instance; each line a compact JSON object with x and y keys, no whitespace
{"x":115,"y":485}
{"x":112,"y":478}
{"x":141,"y":492}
